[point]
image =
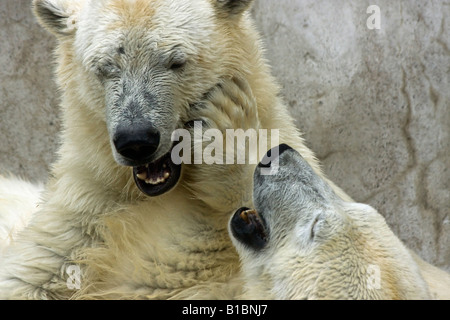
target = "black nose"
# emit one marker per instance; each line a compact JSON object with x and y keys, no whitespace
{"x":274,"y":152}
{"x":137,"y":142}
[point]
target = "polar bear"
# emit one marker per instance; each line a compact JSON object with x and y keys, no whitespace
{"x":19,"y":200}
{"x":302,"y":241}
{"x":118,"y":218}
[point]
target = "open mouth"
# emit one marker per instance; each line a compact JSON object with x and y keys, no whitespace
{"x":249,"y":227}
{"x":158,"y":177}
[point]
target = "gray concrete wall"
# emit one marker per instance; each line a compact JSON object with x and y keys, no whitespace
{"x":28,"y":96}
{"x":373,"y":104}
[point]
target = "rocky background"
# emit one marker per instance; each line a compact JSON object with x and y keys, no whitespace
{"x":374,"y":104}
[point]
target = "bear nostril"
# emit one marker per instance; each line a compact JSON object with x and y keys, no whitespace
{"x":262,"y":164}
{"x":266,"y":162}
{"x":138,"y":152}
{"x":282,"y":148}
{"x":273,"y":153}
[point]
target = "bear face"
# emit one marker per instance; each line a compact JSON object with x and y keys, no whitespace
{"x":140,"y":67}
{"x":303,"y":242}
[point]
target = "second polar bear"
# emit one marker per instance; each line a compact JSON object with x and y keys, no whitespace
{"x":302,"y":241}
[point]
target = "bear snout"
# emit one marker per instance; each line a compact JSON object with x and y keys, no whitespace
{"x":137,"y":143}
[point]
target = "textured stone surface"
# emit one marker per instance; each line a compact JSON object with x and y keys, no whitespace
{"x":28,"y":104}
{"x":373,"y":104}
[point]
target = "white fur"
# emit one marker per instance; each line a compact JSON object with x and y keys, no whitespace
{"x":92,"y":214}
{"x":19,"y":199}
{"x":320,"y":247}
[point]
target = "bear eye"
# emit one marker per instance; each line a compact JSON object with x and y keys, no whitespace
{"x":107,"y":69}
{"x":177,"y":65}
{"x":176,"y":61}
{"x":313,"y":228}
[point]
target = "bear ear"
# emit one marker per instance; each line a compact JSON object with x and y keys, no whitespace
{"x":232,"y":7}
{"x":57,"y":16}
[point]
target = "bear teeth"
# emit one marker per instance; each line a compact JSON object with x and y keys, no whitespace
{"x":142,"y":176}
{"x":245,"y":215}
{"x":155,"y":181}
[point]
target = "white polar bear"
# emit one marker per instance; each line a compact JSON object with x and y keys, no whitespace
{"x":19,"y":199}
{"x":302,"y":241}
{"x":116,"y":207}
